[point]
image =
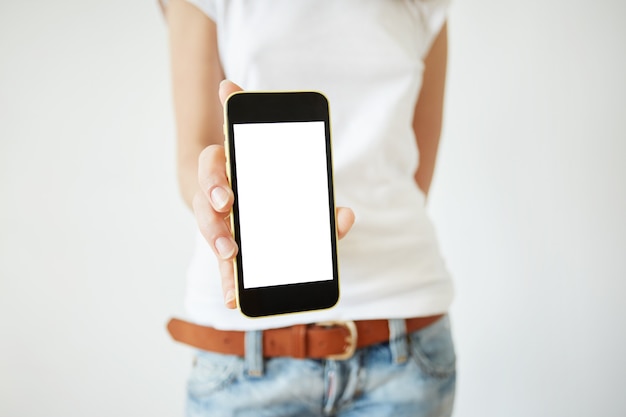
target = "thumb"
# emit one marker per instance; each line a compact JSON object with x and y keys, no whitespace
{"x":227,"y":88}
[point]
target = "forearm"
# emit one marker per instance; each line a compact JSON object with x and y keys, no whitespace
{"x":196,"y":74}
{"x":427,"y":159}
{"x":428,"y":116}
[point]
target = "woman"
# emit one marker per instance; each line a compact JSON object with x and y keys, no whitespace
{"x":382,"y":64}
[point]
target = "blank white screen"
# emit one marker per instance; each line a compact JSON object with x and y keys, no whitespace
{"x":283,"y":203}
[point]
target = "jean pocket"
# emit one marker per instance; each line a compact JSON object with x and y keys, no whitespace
{"x":433,"y":349}
{"x":211,"y":373}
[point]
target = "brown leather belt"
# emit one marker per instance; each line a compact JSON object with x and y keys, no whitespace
{"x":328,"y":340}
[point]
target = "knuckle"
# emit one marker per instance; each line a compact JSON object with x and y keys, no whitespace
{"x":196,"y":202}
{"x":226,"y":273}
{"x":211,"y":157}
{"x":208,"y":221}
{"x":208,"y":178}
{"x":211,"y":151}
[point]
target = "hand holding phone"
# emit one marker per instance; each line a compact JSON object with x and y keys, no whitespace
{"x":213,"y":204}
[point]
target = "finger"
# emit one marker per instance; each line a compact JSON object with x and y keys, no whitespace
{"x":345,"y":220}
{"x":227,"y":273}
{"x":227,"y":88}
{"x":214,"y":228}
{"x":212,"y":178}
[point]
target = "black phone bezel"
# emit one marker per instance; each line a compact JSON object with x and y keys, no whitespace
{"x":273,"y":107}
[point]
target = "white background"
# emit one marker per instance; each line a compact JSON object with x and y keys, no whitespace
{"x":529,"y":201}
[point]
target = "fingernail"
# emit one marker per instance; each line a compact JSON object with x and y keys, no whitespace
{"x":224,"y":247}
{"x":219,"y":197}
{"x":229,"y":297}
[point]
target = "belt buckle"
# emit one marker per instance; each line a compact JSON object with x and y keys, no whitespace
{"x":351,"y":339}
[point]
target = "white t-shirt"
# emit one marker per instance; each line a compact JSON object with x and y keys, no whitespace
{"x":366,"y":56}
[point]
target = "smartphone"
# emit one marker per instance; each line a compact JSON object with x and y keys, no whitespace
{"x":279,"y":164}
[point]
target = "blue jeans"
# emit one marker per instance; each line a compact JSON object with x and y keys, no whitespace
{"x":408,"y":376}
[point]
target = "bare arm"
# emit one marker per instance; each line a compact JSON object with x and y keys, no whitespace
{"x":196,"y":77}
{"x":196,"y":74}
{"x":428,"y":116}
{"x":198,"y":98}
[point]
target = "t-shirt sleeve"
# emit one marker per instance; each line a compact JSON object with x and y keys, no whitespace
{"x":434,"y":14}
{"x":209,"y":7}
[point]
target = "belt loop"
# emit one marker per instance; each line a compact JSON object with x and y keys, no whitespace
{"x":398,"y":344}
{"x":254,"y":353}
